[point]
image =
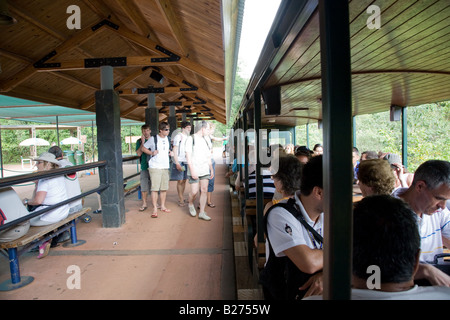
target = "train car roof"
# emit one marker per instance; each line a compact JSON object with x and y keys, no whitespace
{"x":403,"y":62}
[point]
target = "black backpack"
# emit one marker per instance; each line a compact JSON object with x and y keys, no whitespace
{"x":280,"y":277}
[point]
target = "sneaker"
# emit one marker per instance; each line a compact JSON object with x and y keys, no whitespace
{"x":202,"y":215}
{"x":192,"y":211}
{"x":43,"y":250}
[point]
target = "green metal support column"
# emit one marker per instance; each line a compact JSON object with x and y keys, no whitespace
{"x":354,"y":130}
{"x":337,"y":126}
{"x":246,"y":158}
{"x":259,"y":180}
{"x":307,"y":135}
{"x":404,"y":137}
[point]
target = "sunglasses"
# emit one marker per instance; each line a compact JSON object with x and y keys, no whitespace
{"x":166,"y":129}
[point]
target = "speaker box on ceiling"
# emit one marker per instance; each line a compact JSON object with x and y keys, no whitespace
{"x":272,"y":98}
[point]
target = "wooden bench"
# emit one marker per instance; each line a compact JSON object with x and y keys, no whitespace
{"x":130,"y":187}
{"x":250,"y":213}
{"x":35,"y":237}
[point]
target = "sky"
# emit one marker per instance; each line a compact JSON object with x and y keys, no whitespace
{"x":258,"y":18}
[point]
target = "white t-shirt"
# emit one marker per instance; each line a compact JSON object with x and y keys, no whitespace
{"x":56,"y":192}
{"x":431,"y":229}
{"x":200,"y":154}
{"x":285,"y":231}
{"x":180,"y":142}
{"x":72,"y":184}
{"x":415,"y":293}
{"x":161,"y":160}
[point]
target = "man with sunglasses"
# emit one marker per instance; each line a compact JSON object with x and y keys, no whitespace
{"x":159,"y":148}
{"x":427,"y":197}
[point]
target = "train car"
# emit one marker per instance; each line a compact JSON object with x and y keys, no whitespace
{"x":325,"y":62}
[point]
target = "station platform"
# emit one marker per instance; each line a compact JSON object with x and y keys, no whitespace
{"x":172,"y":257}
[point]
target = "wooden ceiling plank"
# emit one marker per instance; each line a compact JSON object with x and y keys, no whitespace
{"x":173,"y":23}
{"x":29,"y":71}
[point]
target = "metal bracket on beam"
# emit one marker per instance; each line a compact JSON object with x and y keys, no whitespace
{"x":103,"y":23}
{"x":40,"y":63}
{"x":172,"y":103}
{"x":173,"y":56}
{"x":190,"y":85}
{"x":98,"y":62}
{"x":48,"y":65}
{"x":150,"y":90}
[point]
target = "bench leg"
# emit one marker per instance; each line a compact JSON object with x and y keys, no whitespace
{"x":16,"y":280}
{"x":74,"y":242}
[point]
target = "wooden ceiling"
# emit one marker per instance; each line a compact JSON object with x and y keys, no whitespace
{"x":406,"y":62}
{"x":43,"y":60}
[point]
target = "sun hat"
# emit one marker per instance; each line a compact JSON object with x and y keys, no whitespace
{"x":393,"y":158}
{"x":49,"y":157}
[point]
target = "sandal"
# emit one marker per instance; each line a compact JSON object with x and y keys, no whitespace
{"x":44,"y":249}
{"x":211,"y":205}
{"x":166,"y":210}
{"x":155,"y":214}
{"x":142,"y":208}
{"x":182,"y":204}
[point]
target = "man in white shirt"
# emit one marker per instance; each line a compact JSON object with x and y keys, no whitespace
{"x":386,"y":249}
{"x":198,"y":155}
{"x":159,"y":148}
{"x":427,"y":197}
{"x":288,"y":237}
{"x":179,"y":166}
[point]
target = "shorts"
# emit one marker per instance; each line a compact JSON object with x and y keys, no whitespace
{"x":205,"y":177}
{"x":160,"y":179}
{"x":145,"y":181}
{"x":179,"y":175}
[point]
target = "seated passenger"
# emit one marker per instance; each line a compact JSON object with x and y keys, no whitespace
{"x":292,"y":244}
{"x":386,"y":248}
{"x":355,"y":160}
{"x":11,"y":208}
{"x":72,"y":183}
{"x":268,"y":184}
{"x":289,"y":149}
{"x":375,"y":177}
{"x":287,"y":179}
{"x":385,"y":235}
{"x":427,"y":197}
{"x":303,"y":154}
{"x":318,"y":150}
{"x":402,"y":177}
{"x":367,"y":155}
{"x":48,"y":191}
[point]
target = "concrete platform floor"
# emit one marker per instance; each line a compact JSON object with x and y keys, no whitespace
{"x":172,"y":257}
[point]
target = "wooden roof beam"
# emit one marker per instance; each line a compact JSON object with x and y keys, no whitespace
{"x":183,"y":61}
{"x":202,"y":92}
{"x":30,"y":70}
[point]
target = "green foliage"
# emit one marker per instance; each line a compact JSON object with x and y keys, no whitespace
{"x":427,"y":132}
